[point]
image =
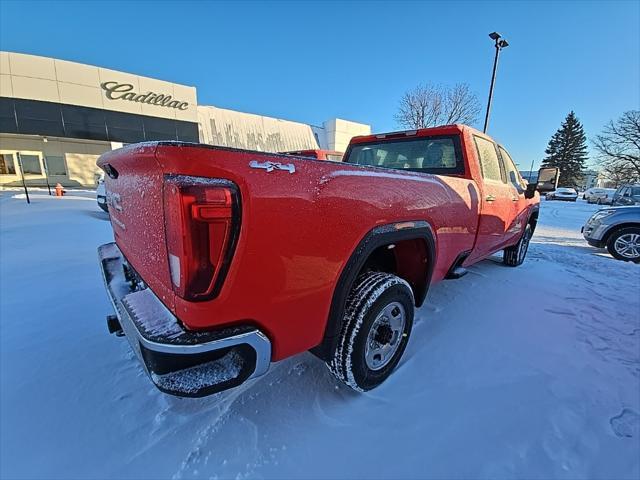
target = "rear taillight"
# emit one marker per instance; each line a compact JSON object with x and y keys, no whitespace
{"x":202,"y":223}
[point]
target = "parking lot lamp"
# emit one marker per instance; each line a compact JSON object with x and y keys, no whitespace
{"x":500,"y":43}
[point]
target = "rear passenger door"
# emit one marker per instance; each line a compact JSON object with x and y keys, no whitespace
{"x":497,"y":201}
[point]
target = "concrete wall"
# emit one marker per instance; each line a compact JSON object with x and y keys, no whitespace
{"x":79,"y":159}
{"x":219,"y":126}
{"x":338,"y":133}
{"x":229,"y":128}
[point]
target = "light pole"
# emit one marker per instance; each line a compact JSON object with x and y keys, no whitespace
{"x":46,"y":167}
{"x":531,"y":171}
{"x":24,"y":183}
{"x":500,"y":44}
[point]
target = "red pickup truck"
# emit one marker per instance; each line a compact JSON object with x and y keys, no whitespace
{"x":226,"y":260}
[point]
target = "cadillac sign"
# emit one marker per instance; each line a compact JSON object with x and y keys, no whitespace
{"x":124,"y":91}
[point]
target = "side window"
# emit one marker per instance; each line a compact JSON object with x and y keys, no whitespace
{"x":439,"y":155}
{"x":513,"y":175}
{"x":488,"y":159}
{"x":31,"y":164}
{"x":55,"y":165}
{"x":7,"y":167}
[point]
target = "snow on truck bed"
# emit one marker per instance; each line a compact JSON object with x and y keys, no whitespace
{"x":532,"y":372}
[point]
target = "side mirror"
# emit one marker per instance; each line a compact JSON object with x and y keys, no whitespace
{"x":530,"y":192}
{"x":548,"y":179}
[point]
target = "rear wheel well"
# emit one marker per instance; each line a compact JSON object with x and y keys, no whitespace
{"x":390,"y":248}
{"x":406,"y":259}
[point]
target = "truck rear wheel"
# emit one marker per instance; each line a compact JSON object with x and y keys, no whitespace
{"x":377,"y":322}
{"x":515,"y":255}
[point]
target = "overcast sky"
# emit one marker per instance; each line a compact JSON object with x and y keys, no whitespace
{"x":313,"y":61}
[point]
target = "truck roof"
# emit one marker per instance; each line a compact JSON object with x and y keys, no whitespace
{"x":421,"y":132}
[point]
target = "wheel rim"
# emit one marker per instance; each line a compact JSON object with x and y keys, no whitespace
{"x":385,"y":336}
{"x":628,"y":245}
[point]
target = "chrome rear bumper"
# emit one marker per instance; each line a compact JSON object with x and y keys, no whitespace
{"x":180,"y":362}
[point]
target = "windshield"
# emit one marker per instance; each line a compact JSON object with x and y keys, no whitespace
{"x":435,"y":154}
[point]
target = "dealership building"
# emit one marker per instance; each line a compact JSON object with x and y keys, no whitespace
{"x":57,"y":117}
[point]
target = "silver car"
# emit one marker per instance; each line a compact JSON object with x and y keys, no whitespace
{"x":563,"y":193}
{"x":618,"y":230}
{"x":601,"y":196}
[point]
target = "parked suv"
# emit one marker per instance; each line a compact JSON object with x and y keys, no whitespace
{"x":617,"y":229}
{"x":627,"y":195}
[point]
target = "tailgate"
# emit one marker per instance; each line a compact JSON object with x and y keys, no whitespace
{"x":134,"y":190}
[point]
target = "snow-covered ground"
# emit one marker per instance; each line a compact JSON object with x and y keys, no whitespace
{"x":532,"y":372}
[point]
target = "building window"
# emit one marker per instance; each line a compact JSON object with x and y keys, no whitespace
{"x":55,"y":165}
{"x":159,"y":129}
{"x":56,"y":120}
{"x":7,"y":167}
{"x":84,"y":122}
{"x":124,"y":127}
{"x":187,"y":131}
{"x":31,"y":164}
{"x":39,"y":118}
{"x":7,"y":116}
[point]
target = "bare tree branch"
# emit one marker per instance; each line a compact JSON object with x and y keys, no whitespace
{"x":431,"y":105}
{"x":619,"y":148}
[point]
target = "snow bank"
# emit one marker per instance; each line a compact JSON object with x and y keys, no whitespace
{"x":530,"y":372}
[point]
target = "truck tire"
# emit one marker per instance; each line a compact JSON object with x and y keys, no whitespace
{"x":624,"y":244}
{"x":377,"y":321}
{"x":514,"y":256}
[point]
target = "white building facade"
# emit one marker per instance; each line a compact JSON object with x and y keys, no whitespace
{"x":57,"y":117}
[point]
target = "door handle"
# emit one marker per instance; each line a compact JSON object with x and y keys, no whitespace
{"x":490,"y":198}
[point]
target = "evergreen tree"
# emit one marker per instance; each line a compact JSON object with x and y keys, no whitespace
{"x":567,"y":150}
